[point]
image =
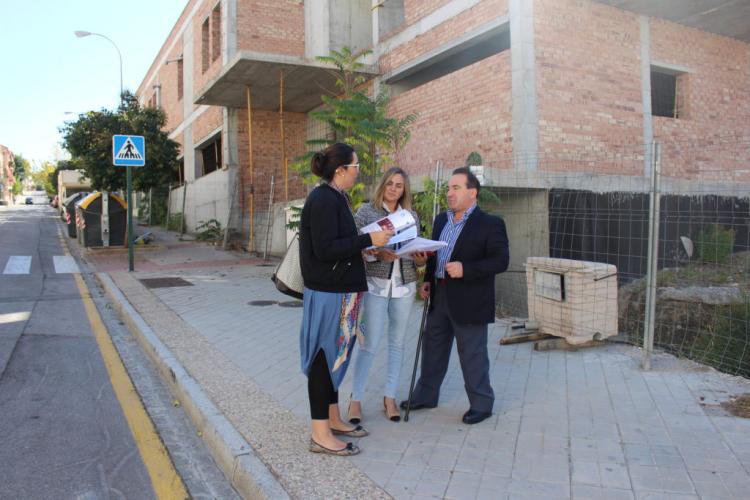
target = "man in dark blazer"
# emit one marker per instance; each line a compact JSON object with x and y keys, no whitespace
{"x":460,"y":280}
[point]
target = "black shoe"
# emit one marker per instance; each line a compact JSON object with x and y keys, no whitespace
{"x":416,"y":406}
{"x":474,"y":417}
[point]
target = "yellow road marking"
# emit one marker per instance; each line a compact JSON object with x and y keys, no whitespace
{"x":166,"y":482}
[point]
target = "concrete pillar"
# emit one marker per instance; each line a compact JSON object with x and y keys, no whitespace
{"x":229,"y":30}
{"x":317,"y":28}
{"x":526,"y":216}
{"x":525,"y":127}
{"x":351,"y":24}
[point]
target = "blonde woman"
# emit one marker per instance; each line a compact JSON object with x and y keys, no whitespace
{"x":391,"y":284}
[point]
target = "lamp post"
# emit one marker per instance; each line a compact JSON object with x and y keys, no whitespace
{"x":82,"y":34}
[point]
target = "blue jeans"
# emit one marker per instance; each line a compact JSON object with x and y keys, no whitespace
{"x":379,"y":313}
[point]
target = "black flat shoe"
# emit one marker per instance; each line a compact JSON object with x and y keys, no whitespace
{"x":474,"y":417}
{"x":416,"y":406}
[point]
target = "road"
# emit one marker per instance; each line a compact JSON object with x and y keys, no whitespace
{"x":71,"y":422}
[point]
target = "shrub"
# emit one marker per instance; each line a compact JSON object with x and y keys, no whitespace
{"x":209,"y":230}
{"x":175,"y":222}
{"x":714,"y":244}
{"x":473,"y":159}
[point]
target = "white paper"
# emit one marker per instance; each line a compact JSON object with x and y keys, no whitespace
{"x":397,"y":221}
{"x":405,"y":235}
{"x":401,"y":222}
{"x":420,"y":245}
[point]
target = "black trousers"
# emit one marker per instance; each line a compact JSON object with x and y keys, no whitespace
{"x":471,"y":341}
{"x":320,"y":388}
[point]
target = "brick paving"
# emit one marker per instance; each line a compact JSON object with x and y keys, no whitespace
{"x":585,"y":424}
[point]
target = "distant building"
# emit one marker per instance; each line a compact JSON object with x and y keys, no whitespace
{"x":7,"y":178}
{"x":71,"y":182}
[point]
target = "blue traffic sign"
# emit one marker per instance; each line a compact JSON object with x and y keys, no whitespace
{"x":128,"y":150}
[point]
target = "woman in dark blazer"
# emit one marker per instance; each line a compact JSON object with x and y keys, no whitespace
{"x":334,"y":276}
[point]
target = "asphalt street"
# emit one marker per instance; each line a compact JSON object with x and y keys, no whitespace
{"x":64,"y":429}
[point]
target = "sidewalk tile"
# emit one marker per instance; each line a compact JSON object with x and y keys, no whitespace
{"x":587,"y":423}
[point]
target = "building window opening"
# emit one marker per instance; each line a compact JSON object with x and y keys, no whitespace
{"x":179,"y":175}
{"x":180,"y":84}
{"x":216,"y":33}
{"x":210,"y":156}
{"x":205,"y":40}
{"x":668,"y":93}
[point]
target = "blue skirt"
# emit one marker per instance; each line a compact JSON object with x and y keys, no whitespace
{"x":330,"y":321}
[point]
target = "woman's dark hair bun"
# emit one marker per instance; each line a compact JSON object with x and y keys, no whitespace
{"x":317,"y":163}
{"x":324,"y":163}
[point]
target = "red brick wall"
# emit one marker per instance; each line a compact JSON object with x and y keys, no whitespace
{"x":717,"y":102}
{"x":445,"y":32}
{"x":589,"y":100}
{"x":210,"y":120}
{"x":588,"y":84}
{"x":200,"y":77}
{"x":272,"y":26}
{"x":172,"y":35}
{"x":467,"y":110}
{"x":171,"y":105}
{"x":414,"y":10}
{"x":267,"y":158}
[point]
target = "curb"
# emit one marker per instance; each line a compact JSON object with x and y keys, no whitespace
{"x":233,"y":454}
{"x":119,"y":250}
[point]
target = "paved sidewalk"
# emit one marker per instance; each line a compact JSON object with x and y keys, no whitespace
{"x":586,"y":424}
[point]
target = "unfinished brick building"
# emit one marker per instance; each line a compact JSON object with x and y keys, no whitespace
{"x":554,"y":94}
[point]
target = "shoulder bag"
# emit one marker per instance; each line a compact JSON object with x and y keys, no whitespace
{"x":288,"y":274}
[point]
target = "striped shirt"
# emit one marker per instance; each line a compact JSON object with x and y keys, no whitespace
{"x":450,"y":234}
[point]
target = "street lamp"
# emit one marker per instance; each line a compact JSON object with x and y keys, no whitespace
{"x":82,"y":34}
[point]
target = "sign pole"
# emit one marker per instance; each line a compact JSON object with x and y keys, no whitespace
{"x":131,"y":266}
{"x":129,"y":151}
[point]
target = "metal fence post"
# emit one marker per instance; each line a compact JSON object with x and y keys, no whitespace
{"x":169,"y":204}
{"x":653,"y":255}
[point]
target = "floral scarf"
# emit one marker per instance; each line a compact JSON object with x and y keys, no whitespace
{"x":350,"y":327}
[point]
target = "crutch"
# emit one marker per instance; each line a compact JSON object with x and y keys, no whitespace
{"x":416,"y":356}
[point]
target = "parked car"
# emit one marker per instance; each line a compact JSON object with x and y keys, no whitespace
{"x":29,"y":200}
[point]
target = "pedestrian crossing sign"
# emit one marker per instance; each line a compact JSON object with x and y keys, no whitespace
{"x":128,"y":150}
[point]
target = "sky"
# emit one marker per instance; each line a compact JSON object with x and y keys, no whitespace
{"x":46,"y":71}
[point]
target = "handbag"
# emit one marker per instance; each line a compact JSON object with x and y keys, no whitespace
{"x":288,"y":274}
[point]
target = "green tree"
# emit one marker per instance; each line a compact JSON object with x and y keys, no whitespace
{"x":17,"y":187}
{"x":356,"y":118}
{"x":89,"y":142}
{"x":43,"y":177}
{"x":21,"y":167}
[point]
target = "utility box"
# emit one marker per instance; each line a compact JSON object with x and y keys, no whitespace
{"x":94,"y":219}
{"x":573,"y":299}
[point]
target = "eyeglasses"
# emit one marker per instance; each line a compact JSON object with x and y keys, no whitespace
{"x":355,"y":165}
